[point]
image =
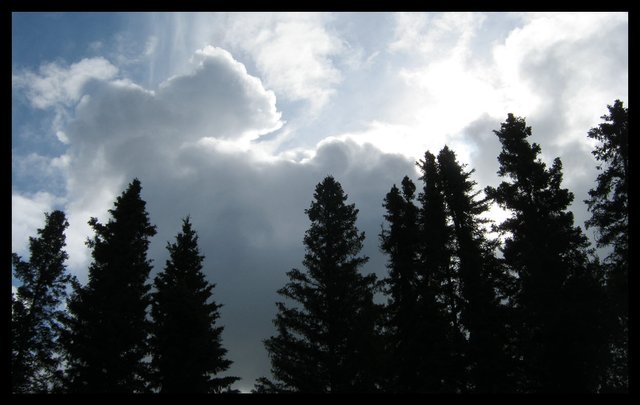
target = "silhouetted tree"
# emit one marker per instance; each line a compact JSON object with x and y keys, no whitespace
{"x":106,"y":336}
{"x":560,"y":329}
{"x":326,"y":341}
{"x":442,"y":353}
{"x":483,"y":282}
{"x":36,"y":308}
{"x":187,"y":344}
{"x":401,"y":243}
{"x":609,"y":206}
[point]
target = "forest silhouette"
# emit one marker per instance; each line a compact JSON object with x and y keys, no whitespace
{"x":469,"y":306}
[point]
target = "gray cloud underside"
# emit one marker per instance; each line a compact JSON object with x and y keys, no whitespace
{"x":250,"y":218}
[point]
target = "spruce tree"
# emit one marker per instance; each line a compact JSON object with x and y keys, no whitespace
{"x":107,"y":331}
{"x":401,"y":243}
{"x":36,"y":308}
{"x":186,"y":342}
{"x":483,"y":282}
{"x":326,"y":338}
{"x":560,"y":329}
{"x":442,"y":352}
{"x":609,"y":205}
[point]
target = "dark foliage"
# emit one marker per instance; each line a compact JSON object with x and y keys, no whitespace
{"x":36,"y":307}
{"x":186,"y":343}
{"x":483,"y":282}
{"x":438,"y":290}
{"x":609,"y":205}
{"x":107,"y":331}
{"x":402,"y":330}
{"x":326,"y":341}
{"x":559,"y":316}
{"x":446,"y":323}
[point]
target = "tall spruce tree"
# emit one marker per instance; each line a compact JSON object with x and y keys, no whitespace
{"x":438,"y":290}
{"x":483,"y":282}
{"x":36,"y":308}
{"x":609,"y":205}
{"x":560,"y":329}
{"x":107,"y":332}
{"x":402,"y":332}
{"x":187,"y":344}
{"x":325,"y":341}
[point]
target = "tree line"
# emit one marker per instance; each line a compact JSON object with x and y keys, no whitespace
{"x":534,"y":309}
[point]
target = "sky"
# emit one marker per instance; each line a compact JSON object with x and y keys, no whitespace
{"x":233,"y":118}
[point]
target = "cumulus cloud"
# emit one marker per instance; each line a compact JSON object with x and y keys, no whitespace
{"x":120,"y":130}
{"x":189,"y":142}
{"x":223,"y":100}
{"x":548,"y":58}
{"x":55,"y":84}
{"x":293,"y":53}
{"x":217,"y":99}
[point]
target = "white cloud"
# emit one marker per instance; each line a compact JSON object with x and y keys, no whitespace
{"x":85,"y":201}
{"x":32,"y":163}
{"x":39,"y":171}
{"x":27,"y":215}
{"x":293,"y":51}
{"x":435,"y":35}
{"x":407,"y":140}
{"x":447,"y":84}
{"x":565,"y":60}
{"x":120,"y":130}
{"x":439,"y":89}
{"x":55,"y":84}
{"x":62,"y":137}
{"x":224,"y":101}
{"x":96,"y":46}
{"x":151,"y":46}
{"x":409,"y":29}
{"x":557,"y":69}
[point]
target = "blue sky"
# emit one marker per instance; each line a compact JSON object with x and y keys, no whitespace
{"x":234,"y":117}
